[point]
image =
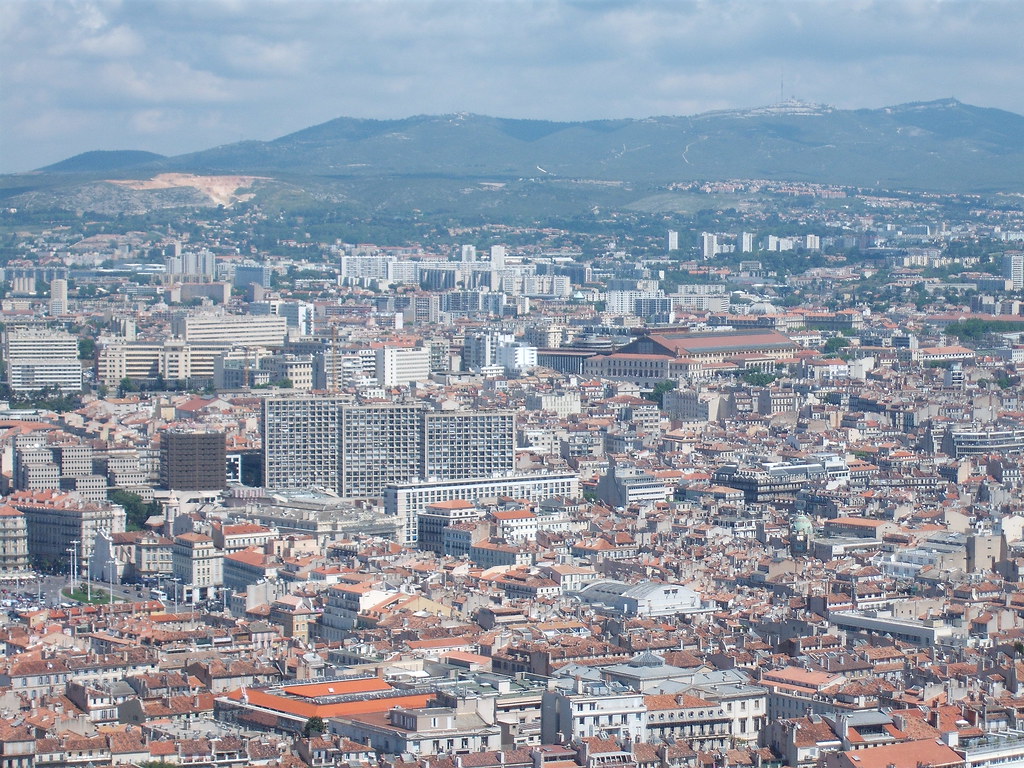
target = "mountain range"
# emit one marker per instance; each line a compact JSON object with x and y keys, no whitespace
{"x":943,"y":146}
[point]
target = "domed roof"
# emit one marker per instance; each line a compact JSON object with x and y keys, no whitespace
{"x":647,"y":659}
{"x":763,"y":308}
{"x":801,"y":524}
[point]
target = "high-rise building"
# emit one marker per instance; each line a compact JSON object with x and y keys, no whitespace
{"x":469,"y":253}
{"x":380,"y":444}
{"x":459,"y":444}
{"x":357,"y":450}
{"x":193,"y":461}
{"x":1013,"y":269}
{"x":395,"y":366}
{"x":745,"y":242}
{"x":249,"y":330}
{"x":673,"y":240}
{"x":38,"y":358}
{"x":58,"y":297}
{"x":301,"y":442}
{"x":498,"y":254}
{"x":709,"y":245}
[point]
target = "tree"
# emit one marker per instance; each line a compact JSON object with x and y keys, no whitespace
{"x":759,"y":378}
{"x":136,"y":510}
{"x":86,"y":348}
{"x":314,"y":727}
{"x":658,"y":393}
{"x":834,"y":344}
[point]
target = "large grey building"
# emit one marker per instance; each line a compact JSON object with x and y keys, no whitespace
{"x":356,"y":450}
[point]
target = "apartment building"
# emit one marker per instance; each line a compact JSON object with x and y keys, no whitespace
{"x":38,"y":358}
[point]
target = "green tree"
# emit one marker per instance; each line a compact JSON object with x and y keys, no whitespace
{"x":759,"y":378}
{"x":86,"y":348}
{"x":314,"y":727}
{"x":834,"y":344}
{"x":658,"y":393}
{"x":136,"y":510}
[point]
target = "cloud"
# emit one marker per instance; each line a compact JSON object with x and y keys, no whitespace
{"x":180,"y":75}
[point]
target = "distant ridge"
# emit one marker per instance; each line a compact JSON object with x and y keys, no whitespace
{"x":102,"y":160}
{"x":432,"y":162}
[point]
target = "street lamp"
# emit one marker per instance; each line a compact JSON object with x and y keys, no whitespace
{"x":74,"y":563}
{"x":112,"y":562}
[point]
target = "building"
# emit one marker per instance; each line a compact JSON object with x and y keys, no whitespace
{"x":644,"y":600}
{"x":170,"y":359}
{"x":1013,"y":269}
{"x":395,"y":366}
{"x":39,"y":358}
{"x":464,"y":444}
{"x":245,"y":330}
{"x":60,"y":522}
{"x":14,"y":559}
{"x":714,"y":347}
{"x":301,"y":442}
{"x":379,"y":444}
{"x":197,"y":565}
{"x":58,"y":297}
{"x":193,"y":461}
{"x":593,"y":709}
{"x":407,"y":501}
{"x":356,"y":450}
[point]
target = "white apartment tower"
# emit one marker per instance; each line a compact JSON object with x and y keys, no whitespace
{"x":1013,"y":269}
{"x":673,"y":240}
{"x":709,"y":244}
{"x":37,"y":358}
{"x":58,"y":297}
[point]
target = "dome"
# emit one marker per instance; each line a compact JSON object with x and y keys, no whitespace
{"x":801,"y":524}
{"x":763,"y":308}
{"x":647,"y":659}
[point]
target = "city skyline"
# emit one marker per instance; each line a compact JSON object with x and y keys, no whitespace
{"x":175,"y":76}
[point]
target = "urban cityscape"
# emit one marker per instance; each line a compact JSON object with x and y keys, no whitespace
{"x":521,"y":384}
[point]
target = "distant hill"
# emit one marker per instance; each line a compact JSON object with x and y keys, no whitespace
{"x":101,"y":161}
{"x":423,"y":161}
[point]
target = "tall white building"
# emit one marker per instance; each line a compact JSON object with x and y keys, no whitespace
{"x":402,"y":365}
{"x":58,"y":297}
{"x":246,"y":330}
{"x":709,"y":245}
{"x":1013,"y":269}
{"x":469,"y":253}
{"x":745,"y":242}
{"x":37,"y":358}
{"x":673,"y":240}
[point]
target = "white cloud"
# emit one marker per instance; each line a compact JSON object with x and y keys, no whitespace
{"x":180,"y":75}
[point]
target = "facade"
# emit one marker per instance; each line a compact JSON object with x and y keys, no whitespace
{"x":407,"y":501}
{"x":380,"y":444}
{"x":40,"y":358}
{"x":593,"y":709}
{"x":462,"y":444}
{"x":193,"y":461}
{"x":198,"y":566}
{"x":301,"y":442}
{"x":14,"y":559}
{"x":247,"y":330}
{"x":58,"y":522}
{"x":395,"y":366}
{"x":356,"y":450}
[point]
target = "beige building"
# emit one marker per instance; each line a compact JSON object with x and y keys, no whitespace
{"x":197,"y":565}
{"x":14,"y":560}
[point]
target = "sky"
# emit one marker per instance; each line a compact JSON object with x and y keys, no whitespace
{"x":175,"y":76}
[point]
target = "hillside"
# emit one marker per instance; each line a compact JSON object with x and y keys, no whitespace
{"x":941,"y":146}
